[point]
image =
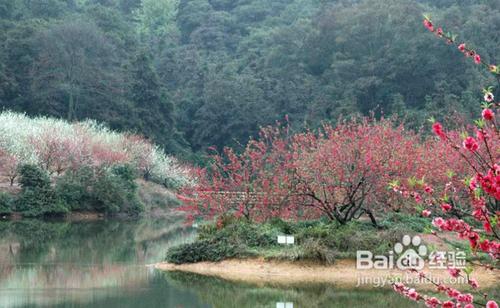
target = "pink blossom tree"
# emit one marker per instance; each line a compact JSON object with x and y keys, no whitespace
{"x":9,"y":164}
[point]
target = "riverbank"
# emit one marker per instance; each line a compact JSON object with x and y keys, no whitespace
{"x":156,"y":201}
{"x":341,"y":274}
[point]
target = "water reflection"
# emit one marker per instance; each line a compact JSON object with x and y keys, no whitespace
{"x":220,"y":293}
{"x":47,"y":263}
{"x":103,"y":264}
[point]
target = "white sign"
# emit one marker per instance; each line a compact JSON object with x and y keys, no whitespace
{"x":286,"y":239}
{"x":284,"y":305}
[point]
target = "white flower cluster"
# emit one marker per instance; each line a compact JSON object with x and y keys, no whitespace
{"x":35,"y":140}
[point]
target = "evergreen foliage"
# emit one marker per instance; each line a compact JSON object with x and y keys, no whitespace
{"x":192,"y":74}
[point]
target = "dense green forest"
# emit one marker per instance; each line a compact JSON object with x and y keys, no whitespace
{"x":195,"y":73}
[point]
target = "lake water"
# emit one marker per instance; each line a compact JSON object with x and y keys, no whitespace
{"x":103,"y":264}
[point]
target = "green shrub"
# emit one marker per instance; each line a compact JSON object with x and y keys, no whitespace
{"x":237,"y":238}
{"x":172,"y":183}
{"x":203,"y":250}
{"x":37,"y":197}
{"x":410,"y":222}
{"x":241,"y":232}
{"x":344,"y":240}
{"x":74,"y":189}
{"x":113,"y":191}
{"x":33,"y":177}
{"x":315,"y":249}
{"x":117,"y":192}
{"x":6,"y":203}
{"x":127,"y":175}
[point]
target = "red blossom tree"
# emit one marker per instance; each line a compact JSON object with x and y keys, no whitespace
{"x":340,"y":173}
{"x":347,"y":173}
{"x":256,"y":184}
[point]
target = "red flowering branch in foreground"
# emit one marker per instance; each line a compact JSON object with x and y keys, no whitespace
{"x":455,"y":297}
{"x":463,"y":47}
{"x":481,"y":153}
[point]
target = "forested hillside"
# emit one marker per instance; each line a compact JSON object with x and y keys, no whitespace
{"x":195,"y":73}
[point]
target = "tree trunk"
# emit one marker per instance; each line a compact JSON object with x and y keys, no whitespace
{"x":372,"y":218}
{"x":71,"y":106}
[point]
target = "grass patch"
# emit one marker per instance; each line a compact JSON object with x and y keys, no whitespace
{"x":319,"y":240}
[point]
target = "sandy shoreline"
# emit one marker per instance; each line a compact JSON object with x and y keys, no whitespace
{"x":343,"y":273}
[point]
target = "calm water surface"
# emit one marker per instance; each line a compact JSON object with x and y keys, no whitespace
{"x":103,"y":264}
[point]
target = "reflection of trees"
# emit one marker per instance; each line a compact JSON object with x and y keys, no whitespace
{"x":54,"y":255}
{"x":72,"y":276}
{"x":221,"y":293}
{"x":158,"y":293}
{"x":97,"y":242}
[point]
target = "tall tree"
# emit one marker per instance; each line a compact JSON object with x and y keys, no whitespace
{"x":76,"y":70}
{"x":154,"y":110}
{"x":156,"y":23}
{"x":233,"y":106}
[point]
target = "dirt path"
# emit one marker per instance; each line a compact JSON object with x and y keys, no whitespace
{"x":343,"y":273}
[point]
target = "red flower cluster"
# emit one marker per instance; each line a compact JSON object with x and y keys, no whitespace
{"x":490,"y":182}
{"x":491,"y":247}
{"x":452,"y":224}
{"x":473,"y":283}
{"x":428,"y":24}
{"x":491,"y":304}
{"x":448,"y":304}
{"x":465,"y":231}
{"x":457,"y":298}
{"x":428,"y":189}
{"x":488,"y":114}
{"x":446,"y":207}
{"x":405,"y":291}
{"x":432,"y":302}
{"x":438,"y":130}
{"x":470,"y":53}
{"x":477,"y":59}
{"x":463,"y":298}
{"x":454,"y":272}
{"x":439,"y":32}
{"x":471,"y":144}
